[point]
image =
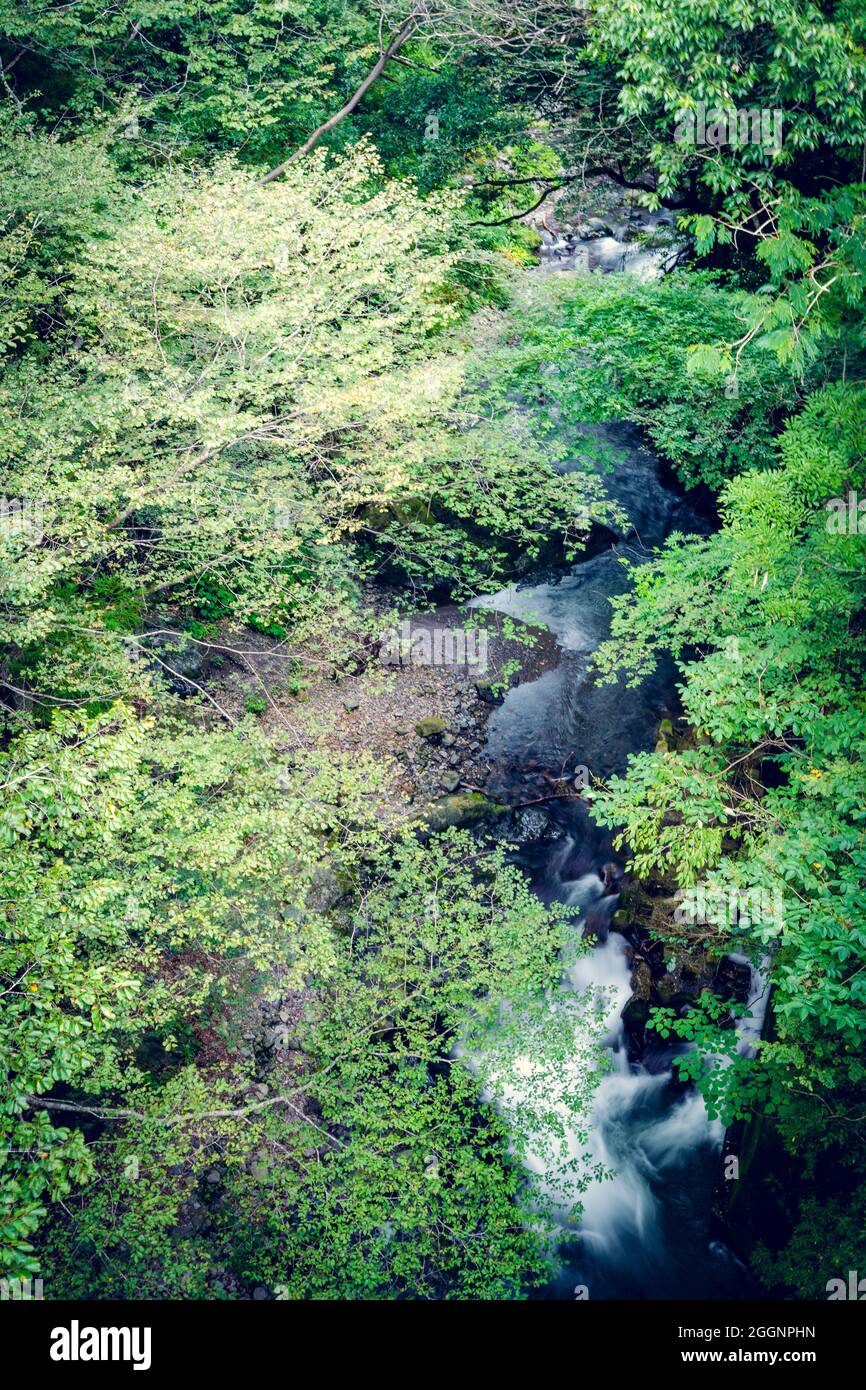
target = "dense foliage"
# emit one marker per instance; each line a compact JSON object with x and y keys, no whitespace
{"x":766,"y":617}
{"x":233,"y":401}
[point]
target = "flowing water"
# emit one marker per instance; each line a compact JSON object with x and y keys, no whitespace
{"x":646,"y":1229}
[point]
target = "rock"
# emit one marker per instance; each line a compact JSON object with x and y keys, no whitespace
{"x":462,"y":809}
{"x":197,"y":1216}
{"x":620,"y":921}
{"x":213,"y":1176}
{"x":351,"y":702}
{"x":611,"y":876}
{"x":484,"y":690}
{"x":325,"y":889}
{"x":451,"y":781}
{"x":734,"y":980}
{"x":432,"y":727}
{"x":178,"y":661}
{"x":260,"y":1168}
{"x":260,"y":1293}
{"x":636,"y":1011}
{"x":683,"y":984}
{"x":593,"y":228}
{"x":279,"y":1036}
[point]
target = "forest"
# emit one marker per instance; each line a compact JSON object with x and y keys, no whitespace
{"x":335,"y":965}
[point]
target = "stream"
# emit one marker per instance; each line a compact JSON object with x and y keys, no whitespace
{"x":646,"y":1230}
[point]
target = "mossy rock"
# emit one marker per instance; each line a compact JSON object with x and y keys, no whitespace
{"x":461,"y":809}
{"x":620,"y":921}
{"x":431,"y":727}
{"x":693,"y":972}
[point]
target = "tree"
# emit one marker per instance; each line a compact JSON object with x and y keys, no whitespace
{"x":156,"y":885}
{"x":766,"y":620}
{"x":801,"y":64}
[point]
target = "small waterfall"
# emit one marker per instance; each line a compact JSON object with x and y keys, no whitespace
{"x":640,"y":1148}
{"x":751,"y":1025}
{"x":630,"y":1190}
{"x":642,"y":1133}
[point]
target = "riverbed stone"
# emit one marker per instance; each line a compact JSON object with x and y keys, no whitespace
{"x":692,"y":973}
{"x":432,"y":727}
{"x":461,"y":809}
{"x":486,"y":692}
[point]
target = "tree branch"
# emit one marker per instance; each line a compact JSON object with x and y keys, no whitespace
{"x":239,"y":1113}
{"x":395,"y":43}
{"x":554,"y":182}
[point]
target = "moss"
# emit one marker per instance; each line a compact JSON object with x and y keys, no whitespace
{"x":432,"y":727}
{"x":461,"y":809}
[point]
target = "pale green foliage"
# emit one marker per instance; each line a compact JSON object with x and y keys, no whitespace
{"x":231,"y":348}
{"x":243,"y":397}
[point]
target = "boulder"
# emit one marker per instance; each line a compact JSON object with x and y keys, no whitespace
{"x":177,"y":660}
{"x":433,"y":727}
{"x":594,"y":228}
{"x":688,"y":974}
{"x":611,"y":877}
{"x":461,"y":809}
{"x":485,"y":691}
{"x":325,"y":889}
{"x":637,"y":1007}
{"x":734,"y":980}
